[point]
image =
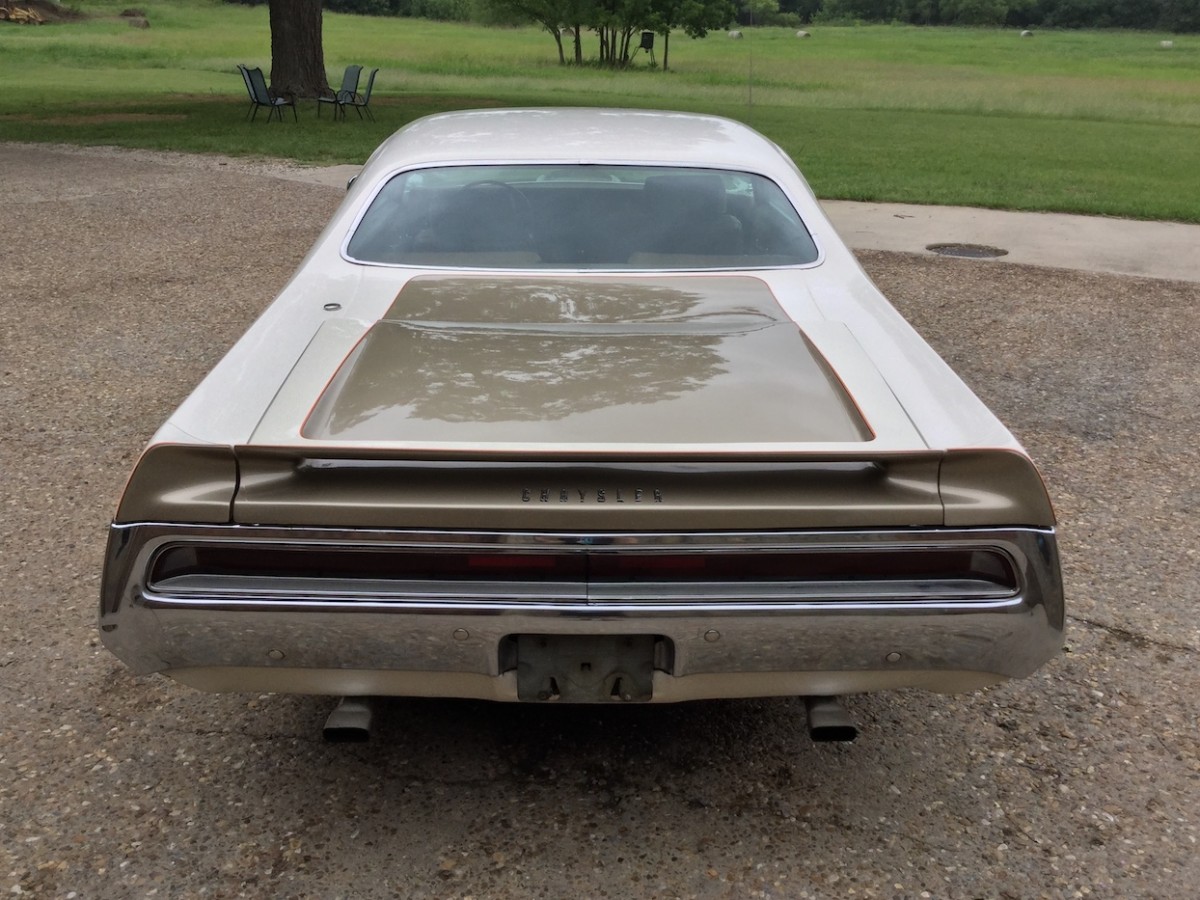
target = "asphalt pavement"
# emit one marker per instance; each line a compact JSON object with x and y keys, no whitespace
{"x":126,"y":275}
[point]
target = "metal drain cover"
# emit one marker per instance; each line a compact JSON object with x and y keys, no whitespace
{"x":967,"y":251}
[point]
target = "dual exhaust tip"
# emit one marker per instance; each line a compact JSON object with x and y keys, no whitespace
{"x":350,"y":721}
{"x":828,"y":720}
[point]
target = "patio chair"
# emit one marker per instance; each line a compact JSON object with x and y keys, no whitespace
{"x":345,"y":94}
{"x":361,"y":102}
{"x":261,"y":95}
{"x":249,"y":90}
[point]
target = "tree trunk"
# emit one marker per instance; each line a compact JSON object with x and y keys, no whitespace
{"x":666,"y":49}
{"x":562,"y":57}
{"x":297,"y":54}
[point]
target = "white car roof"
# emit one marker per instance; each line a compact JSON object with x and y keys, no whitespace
{"x":581,"y":135}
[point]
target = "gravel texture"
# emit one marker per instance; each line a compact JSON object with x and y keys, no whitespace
{"x":123,"y":279}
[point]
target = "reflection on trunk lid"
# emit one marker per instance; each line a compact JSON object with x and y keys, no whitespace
{"x":696,"y":360}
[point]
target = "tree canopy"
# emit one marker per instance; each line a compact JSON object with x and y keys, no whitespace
{"x":1168,"y":15}
{"x":616,"y":23}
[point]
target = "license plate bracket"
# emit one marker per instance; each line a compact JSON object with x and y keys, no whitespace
{"x":574,"y":668}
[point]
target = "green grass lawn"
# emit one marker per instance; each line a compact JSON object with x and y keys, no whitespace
{"x":1093,"y":122}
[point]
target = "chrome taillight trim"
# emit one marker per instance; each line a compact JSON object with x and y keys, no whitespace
{"x":143,"y":543}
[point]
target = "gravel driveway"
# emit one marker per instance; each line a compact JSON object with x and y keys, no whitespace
{"x":123,"y":278}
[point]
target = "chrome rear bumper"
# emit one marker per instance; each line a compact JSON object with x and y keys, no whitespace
{"x":331,"y":636}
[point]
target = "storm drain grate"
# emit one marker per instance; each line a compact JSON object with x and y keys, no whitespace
{"x":967,"y":251}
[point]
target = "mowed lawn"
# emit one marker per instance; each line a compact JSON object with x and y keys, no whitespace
{"x":1100,"y":122}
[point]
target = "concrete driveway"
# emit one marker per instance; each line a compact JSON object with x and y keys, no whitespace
{"x":124,"y":277}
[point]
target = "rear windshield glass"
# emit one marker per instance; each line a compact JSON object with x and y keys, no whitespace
{"x":581,"y":217}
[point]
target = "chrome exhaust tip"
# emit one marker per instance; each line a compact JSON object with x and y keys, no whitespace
{"x":350,"y":721}
{"x":828,"y":720}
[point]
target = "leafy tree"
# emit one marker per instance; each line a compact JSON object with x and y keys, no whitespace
{"x":547,"y":13}
{"x":1181,"y":15}
{"x":1135,"y":13}
{"x":973,"y":12}
{"x":694,"y":17}
{"x":555,"y":16}
{"x":920,"y":12}
{"x":615,"y":22}
{"x":860,"y":10}
{"x":756,"y":12}
{"x":804,"y":10}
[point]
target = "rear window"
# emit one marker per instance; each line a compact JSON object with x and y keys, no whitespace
{"x":581,"y":217}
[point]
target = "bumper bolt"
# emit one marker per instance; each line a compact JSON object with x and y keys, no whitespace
{"x":894,"y":657}
{"x":461,"y":634}
{"x":275,"y":654}
{"x":712,"y":636}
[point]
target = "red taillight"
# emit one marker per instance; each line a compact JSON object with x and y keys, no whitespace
{"x":517,"y":562}
{"x":363,"y":564}
{"x":596,"y":566}
{"x":643,"y":566}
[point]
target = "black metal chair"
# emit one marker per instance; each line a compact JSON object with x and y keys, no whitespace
{"x":345,"y":94}
{"x":361,"y":102}
{"x":261,"y":95}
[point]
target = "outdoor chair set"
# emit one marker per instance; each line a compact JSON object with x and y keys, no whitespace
{"x":346,"y":96}
{"x":261,"y":95}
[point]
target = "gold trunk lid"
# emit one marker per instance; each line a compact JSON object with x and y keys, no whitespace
{"x":702,"y":360}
